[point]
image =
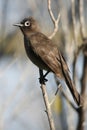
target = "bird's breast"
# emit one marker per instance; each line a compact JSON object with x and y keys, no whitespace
{"x":33,"y":56}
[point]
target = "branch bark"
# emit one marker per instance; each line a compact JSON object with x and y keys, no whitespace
{"x":81,"y":113}
{"x":46,"y":101}
{"x":75,"y":39}
{"x":43,"y":87}
{"x":82,"y":24}
{"x":74,"y":21}
{"x":55,"y":21}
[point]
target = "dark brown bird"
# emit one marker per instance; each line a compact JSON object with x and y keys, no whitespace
{"x":43,"y":53}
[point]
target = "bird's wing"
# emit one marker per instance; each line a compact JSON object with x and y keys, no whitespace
{"x":48,"y":52}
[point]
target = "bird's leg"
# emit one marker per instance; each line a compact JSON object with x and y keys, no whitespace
{"x":42,"y":78}
{"x":46,"y":74}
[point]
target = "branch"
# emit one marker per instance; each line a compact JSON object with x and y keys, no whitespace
{"x":46,"y":101}
{"x":64,"y":94}
{"x":82,"y":48}
{"x":55,"y":21}
{"x":83,"y":92}
{"x":82,"y":30}
{"x":82,"y":24}
{"x":75,"y":39}
{"x":74,"y":21}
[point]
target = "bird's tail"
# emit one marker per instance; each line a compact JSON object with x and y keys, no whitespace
{"x":77,"y":97}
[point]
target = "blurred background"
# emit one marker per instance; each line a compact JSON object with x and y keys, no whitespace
{"x":21,"y":102}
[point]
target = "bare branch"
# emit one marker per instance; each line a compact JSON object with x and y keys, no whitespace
{"x":58,"y":88}
{"x":74,"y":21}
{"x":75,"y":40}
{"x":83,"y":93}
{"x":55,"y":21}
{"x":47,"y":105}
{"x":63,"y":93}
{"x":84,"y":50}
{"x":46,"y":101}
{"x":82,"y":24}
{"x":67,"y":99}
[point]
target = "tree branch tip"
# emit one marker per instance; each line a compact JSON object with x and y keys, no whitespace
{"x":52,"y":101}
{"x":58,"y":18}
{"x":58,"y":88}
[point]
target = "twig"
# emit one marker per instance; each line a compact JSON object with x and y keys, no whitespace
{"x":75,"y":39}
{"x":57,"y":89}
{"x":82,"y":24}
{"x":74,"y":21}
{"x":82,"y":48}
{"x":54,"y":98}
{"x":46,"y":101}
{"x":83,"y":90}
{"x":55,"y":21}
{"x":67,"y":99}
{"x":65,"y":96}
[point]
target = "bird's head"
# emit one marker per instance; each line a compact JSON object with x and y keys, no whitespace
{"x":28,"y":25}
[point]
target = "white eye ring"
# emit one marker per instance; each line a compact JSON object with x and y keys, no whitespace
{"x":27,"y":23}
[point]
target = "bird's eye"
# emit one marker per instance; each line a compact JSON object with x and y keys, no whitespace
{"x":27,"y":23}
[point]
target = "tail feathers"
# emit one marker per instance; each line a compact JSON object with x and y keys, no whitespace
{"x":77,"y":97}
{"x":65,"y":71}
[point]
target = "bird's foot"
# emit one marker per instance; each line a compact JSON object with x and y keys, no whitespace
{"x":42,"y":80}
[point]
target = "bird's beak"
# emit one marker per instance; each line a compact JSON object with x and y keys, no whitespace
{"x":18,"y":25}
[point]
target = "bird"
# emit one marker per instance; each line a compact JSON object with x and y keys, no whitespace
{"x":45,"y":54}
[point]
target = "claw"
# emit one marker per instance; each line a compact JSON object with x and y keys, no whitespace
{"x":43,"y":80}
